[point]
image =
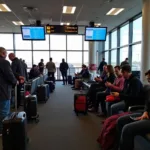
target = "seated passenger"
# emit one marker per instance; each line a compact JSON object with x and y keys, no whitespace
{"x":84,"y":74}
{"x":110,"y":77}
{"x":117,"y":86}
{"x":34,"y":72}
{"x":129,"y":128}
{"x":131,"y":94}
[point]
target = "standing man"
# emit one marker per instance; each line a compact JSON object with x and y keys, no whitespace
{"x":7,"y":80}
{"x":51,"y":69}
{"x":63,"y":68}
{"x":18,"y":70}
{"x":41,"y":66}
{"x":101,"y":65}
{"x":125,"y":62}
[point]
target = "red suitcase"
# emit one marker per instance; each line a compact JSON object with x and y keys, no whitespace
{"x":80,"y":103}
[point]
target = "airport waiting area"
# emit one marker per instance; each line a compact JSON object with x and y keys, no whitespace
{"x":74,"y":75}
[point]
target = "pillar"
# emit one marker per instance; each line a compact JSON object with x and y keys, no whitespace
{"x":92,"y":57}
{"x":145,"y":60}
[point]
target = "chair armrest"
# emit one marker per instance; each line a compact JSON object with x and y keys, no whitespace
{"x":137,"y":108}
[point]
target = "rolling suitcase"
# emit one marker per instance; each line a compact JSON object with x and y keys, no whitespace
{"x":42,"y":95}
{"x":30,"y":107}
{"x":70,"y":79}
{"x":80,"y":103}
{"x":14,"y":134}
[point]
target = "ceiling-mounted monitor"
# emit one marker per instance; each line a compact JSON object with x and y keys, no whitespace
{"x":33,"y":32}
{"x":95,"y":33}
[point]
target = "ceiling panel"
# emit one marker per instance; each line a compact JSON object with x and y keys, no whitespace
{"x":50,"y":11}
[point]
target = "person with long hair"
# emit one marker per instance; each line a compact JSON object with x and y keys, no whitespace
{"x":110,"y":77}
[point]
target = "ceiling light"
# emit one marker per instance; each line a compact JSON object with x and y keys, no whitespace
{"x":69,"y":9}
{"x":63,"y":23}
{"x":119,"y":11}
{"x":17,"y":23}
{"x":97,"y":24}
{"x":115,"y":11}
{"x":4,"y":8}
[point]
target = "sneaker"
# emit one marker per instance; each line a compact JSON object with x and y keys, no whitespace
{"x":91,"y":109}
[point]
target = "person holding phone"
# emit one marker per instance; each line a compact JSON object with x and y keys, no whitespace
{"x":132,"y":93}
{"x":135,"y":124}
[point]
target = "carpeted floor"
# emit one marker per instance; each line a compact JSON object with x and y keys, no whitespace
{"x":60,"y":129}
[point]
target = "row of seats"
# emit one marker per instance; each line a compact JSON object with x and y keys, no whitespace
{"x":144,"y":141}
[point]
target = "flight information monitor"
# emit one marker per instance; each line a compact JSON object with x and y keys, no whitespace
{"x":95,"y":33}
{"x":58,"y":29}
{"x":33,"y":32}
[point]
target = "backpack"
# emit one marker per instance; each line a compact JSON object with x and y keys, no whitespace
{"x":108,"y":133}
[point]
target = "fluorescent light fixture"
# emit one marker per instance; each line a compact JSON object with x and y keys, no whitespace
{"x":4,"y":8}
{"x":119,"y":11}
{"x":115,"y":11}
{"x":73,"y":10}
{"x":17,"y":23}
{"x":97,"y":24}
{"x":63,"y":23}
{"x":69,"y":9}
{"x":64,"y":9}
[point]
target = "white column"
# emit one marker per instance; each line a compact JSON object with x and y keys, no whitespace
{"x":145,"y":60}
{"x":93,"y":46}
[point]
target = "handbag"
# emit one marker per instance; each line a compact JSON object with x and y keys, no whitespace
{"x":111,"y":98}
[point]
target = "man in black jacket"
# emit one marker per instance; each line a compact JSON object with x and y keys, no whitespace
{"x":18,"y":70}
{"x":7,"y":80}
{"x":63,"y":68}
{"x":129,"y":128}
{"x":131,"y":94}
{"x":101,"y":65}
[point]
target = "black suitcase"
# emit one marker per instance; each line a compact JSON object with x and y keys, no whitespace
{"x":14,"y":134}
{"x":70,"y":80}
{"x":30,"y":107}
{"x":42,"y":93}
{"x":51,"y":85}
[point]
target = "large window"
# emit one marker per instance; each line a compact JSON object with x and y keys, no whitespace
{"x":38,"y":55}
{"x":86,"y":45}
{"x":74,"y":42}
{"x":58,"y":42}
{"x":41,"y":45}
{"x":74,"y":58}
{"x":21,"y":44}
{"x":107,"y":43}
{"x":57,"y":57}
{"x":114,"y":39}
{"x":123,"y":54}
{"x":86,"y":58}
{"x":107,"y":57}
{"x":25,"y":55}
{"x":124,"y":35}
{"x":137,"y":30}
{"x":6,"y":41}
{"x":113,"y":57}
{"x":136,"y":57}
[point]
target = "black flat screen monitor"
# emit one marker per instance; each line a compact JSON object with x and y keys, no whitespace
{"x":33,"y":32}
{"x":95,"y":33}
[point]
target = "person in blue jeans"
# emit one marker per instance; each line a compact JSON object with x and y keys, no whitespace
{"x":7,"y":81}
{"x":128,"y":128}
